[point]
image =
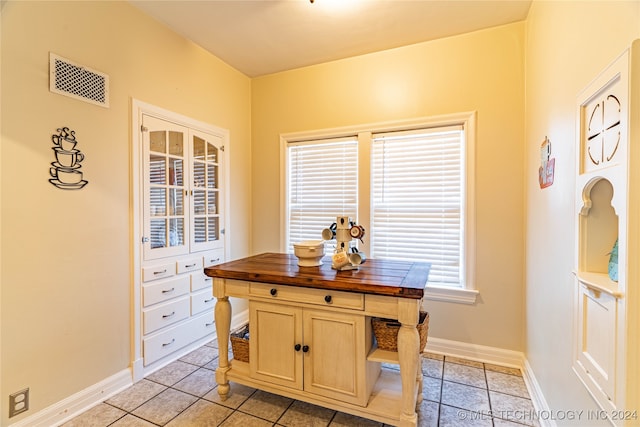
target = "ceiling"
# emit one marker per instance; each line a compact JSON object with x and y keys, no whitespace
{"x":266,"y":36}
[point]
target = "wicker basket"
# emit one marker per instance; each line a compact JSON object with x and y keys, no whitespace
{"x":386,"y":332}
{"x":240,"y":344}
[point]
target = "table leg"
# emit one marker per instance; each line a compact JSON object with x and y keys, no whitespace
{"x":408,"y":357}
{"x":223,"y":324}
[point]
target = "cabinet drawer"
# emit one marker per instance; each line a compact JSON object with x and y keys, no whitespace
{"x":202,"y":301}
{"x":191,"y":264}
{"x":213,"y":257}
{"x":159,"y":271}
{"x":164,"y":290}
{"x":202,"y":325}
{"x":308,"y":295}
{"x":164,"y":343}
{"x":200,"y":280}
{"x":165,"y":314}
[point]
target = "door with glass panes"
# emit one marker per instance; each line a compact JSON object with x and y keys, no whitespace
{"x":182,"y":189}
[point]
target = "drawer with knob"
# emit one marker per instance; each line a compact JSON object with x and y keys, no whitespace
{"x":166,"y":314}
{"x":191,"y":264}
{"x":307,"y":295}
{"x":164,"y":290}
{"x":160,"y":271}
{"x":201,"y":301}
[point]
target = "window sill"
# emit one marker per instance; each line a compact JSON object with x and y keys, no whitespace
{"x":457,"y":295}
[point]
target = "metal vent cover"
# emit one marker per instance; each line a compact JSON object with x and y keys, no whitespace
{"x":77,"y":81}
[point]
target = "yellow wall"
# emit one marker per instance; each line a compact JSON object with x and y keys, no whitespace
{"x":66,"y":281}
{"x":481,"y":71}
{"x":568,"y":44}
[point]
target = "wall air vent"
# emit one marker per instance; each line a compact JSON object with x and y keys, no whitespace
{"x":78,"y":81}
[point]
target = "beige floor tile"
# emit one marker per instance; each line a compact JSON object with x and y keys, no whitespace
{"x":239,"y":419}
{"x":432,"y":367}
{"x":347,"y":420}
{"x":461,"y":361}
{"x":435,"y":356}
{"x":302,"y":414}
{"x":165,"y":406}
{"x":431,"y":388}
{"x":136,"y":395}
{"x":198,"y":383}
{"x":99,"y":416}
{"x":428,"y":414}
{"x":513,"y":408}
{"x":172,"y":373}
{"x":131,"y":421}
{"x":265,"y":405}
{"x":464,"y":397}
{"x":503,"y":369}
{"x":238,"y":394}
{"x":201,"y":356}
{"x":456,"y":417}
{"x":464,"y":374}
{"x":201,"y":414}
{"x":508,"y":384}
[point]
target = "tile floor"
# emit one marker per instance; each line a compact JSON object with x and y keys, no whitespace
{"x":456,"y":392}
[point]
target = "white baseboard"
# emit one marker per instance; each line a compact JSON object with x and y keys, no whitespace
{"x":70,"y":407}
{"x":537,"y":398}
{"x":496,"y":356}
{"x":480,"y":353}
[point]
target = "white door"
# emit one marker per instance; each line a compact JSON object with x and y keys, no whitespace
{"x":165,"y":206}
{"x":206,"y":153}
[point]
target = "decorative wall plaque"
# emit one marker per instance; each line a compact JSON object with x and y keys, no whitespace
{"x":65,"y":171}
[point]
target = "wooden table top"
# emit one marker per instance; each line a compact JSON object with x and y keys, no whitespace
{"x":375,"y":276}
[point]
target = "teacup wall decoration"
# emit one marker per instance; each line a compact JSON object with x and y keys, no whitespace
{"x":65,"y":171}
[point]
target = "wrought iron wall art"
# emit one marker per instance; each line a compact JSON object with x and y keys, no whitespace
{"x":65,"y":171}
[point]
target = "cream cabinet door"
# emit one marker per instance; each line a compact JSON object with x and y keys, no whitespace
{"x":334,"y":363}
{"x":275,"y":343}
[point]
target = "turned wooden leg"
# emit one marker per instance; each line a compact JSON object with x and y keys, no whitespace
{"x":408,"y":356}
{"x":223,"y":324}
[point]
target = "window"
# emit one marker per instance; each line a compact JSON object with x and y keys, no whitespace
{"x":322,"y":178}
{"x":417,"y":184}
{"x":410,"y":185}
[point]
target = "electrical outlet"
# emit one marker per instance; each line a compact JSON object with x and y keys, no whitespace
{"x":18,"y":402}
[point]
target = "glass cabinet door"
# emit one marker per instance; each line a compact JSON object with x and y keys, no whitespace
{"x":206,"y":188}
{"x":165,"y":211}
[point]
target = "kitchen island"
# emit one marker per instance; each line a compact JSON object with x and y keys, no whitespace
{"x":311,"y":337}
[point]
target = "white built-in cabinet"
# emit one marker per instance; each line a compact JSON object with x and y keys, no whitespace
{"x":180,"y":228}
{"x":606,"y":311}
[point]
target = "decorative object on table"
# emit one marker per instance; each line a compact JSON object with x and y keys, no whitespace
{"x":547,"y":164}
{"x":240,"y":344}
{"x":65,"y":171}
{"x":613,"y":262}
{"x":309,"y":253}
{"x":386,"y":331}
{"x":344,"y":231}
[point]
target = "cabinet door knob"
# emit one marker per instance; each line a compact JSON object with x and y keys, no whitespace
{"x":327,"y":299}
{"x":273,"y":292}
{"x":305,"y":348}
{"x":297,"y":347}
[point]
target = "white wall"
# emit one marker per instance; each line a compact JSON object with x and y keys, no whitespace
{"x":568,"y":44}
{"x":66,"y":280}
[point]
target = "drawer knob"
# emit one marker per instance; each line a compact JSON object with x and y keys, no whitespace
{"x":297,"y":347}
{"x":273,"y":292}
{"x":166,"y":291}
{"x":327,"y":299}
{"x":164,"y":316}
{"x":305,"y":348}
{"x":169,"y":343}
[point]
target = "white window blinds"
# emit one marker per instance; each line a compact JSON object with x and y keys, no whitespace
{"x":322,"y":184}
{"x":417,"y":196}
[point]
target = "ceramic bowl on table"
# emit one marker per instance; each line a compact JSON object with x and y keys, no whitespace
{"x":309,"y":253}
